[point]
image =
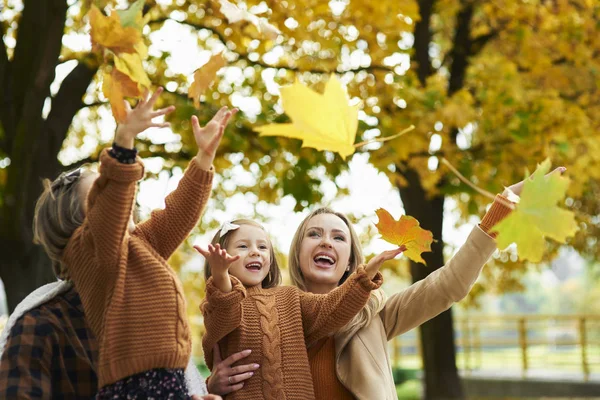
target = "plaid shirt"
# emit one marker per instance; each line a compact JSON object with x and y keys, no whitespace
{"x":50,"y":353}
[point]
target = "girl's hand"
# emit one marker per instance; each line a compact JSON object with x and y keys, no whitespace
{"x":140,"y":118}
{"x":224,"y":378}
{"x":219,"y":262}
{"x":209,"y":137}
{"x":517,"y":188}
{"x":376,"y":262}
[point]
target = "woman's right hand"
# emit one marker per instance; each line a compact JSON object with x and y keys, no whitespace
{"x":225,"y":378}
{"x":376,"y":262}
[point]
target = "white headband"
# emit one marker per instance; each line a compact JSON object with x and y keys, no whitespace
{"x":227,"y":226}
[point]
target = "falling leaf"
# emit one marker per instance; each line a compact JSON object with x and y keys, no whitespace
{"x":107,"y":32}
{"x":204,"y":76}
{"x":116,"y":86}
{"x":133,"y":16}
{"x":405,"y":231}
{"x":322,"y":121}
{"x":235,"y":14}
{"x":537,"y":215}
{"x":131,"y":65}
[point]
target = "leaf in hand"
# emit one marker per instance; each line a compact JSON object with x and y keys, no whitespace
{"x":116,"y":86}
{"x":322,"y":121}
{"x":109,"y":33}
{"x":204,"y":76}
{"x":405,"y":231}
{"x":537,"y":215}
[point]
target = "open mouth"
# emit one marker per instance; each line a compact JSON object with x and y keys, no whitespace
{"x":254,"y":266}
{"x":323,"y":260}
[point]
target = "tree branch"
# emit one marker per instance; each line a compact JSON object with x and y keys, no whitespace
{"x":422,"y":35}
{"x":246,"y":57}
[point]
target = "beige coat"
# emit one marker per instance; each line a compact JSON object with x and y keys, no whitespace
{"x":362,"y":361}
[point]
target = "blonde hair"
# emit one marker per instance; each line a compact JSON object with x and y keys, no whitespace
{"x":58,"y":213}
{"x":273,"y":278}
{"x":376,"y":300}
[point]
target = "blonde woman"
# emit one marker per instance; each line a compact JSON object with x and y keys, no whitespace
{"x":354,"y":364}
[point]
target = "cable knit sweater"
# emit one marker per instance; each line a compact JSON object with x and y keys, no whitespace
{"x":277,"y":325}
{"x":132,"y":299}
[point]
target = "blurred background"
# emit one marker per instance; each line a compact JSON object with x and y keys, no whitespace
{"x":495,"y":87}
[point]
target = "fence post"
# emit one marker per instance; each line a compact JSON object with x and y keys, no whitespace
{"x":523,"y":343}
{"x":583,"y":339}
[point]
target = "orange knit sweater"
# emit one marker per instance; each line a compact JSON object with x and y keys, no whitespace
{"x":277,"y":325}
{"x":327,"y":386}
{"x":132,"y":299}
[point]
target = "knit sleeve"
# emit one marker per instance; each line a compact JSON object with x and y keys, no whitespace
{"x":325,"y":314}
{"x":497,"y":212}
{"x":109,"y":207}
{"x":167,"y":229}
{"x":222,"y":315}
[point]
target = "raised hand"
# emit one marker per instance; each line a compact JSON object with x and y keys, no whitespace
{"x":219,"y":261}
{"x":224,"y":378}
{"x":209,"y":137}
{"x":376,"y":262}
{"x":140,"y":118}
{"x":517,"y":188}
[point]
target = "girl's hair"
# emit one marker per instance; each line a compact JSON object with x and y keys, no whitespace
{"x":273,"y":278}
{"x":59,"y":212}
{"x":376,"y":300}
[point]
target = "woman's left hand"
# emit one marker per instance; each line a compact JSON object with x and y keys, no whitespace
{"x":209,"y":137}
{"x":517,"y":188}
{"x":207,"y":397}
{"x":376,"y":262}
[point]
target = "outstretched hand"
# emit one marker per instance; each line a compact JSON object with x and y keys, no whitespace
{"x":376,"y":262}
{"x":517,"y":188}
{"x":219,"y":261}
{"x":138,"y":119}
{"x":209,"y":137}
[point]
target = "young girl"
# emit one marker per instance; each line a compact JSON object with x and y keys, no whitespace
{"x":245,"y":309}
{"x":132,"y":299}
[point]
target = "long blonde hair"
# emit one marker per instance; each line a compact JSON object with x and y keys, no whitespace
{"x":59,"y":211}
{"x":272,"y":279}
{"x":376,"y":300}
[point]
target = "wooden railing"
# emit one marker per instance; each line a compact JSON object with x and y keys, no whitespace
{"x":569,"y":343}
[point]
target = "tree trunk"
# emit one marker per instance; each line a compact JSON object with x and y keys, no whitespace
{"x":437,"y":335}
{"x":31,"y":142}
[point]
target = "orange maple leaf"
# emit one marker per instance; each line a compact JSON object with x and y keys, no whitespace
{"x":107,"y":32}
{"x":204,"y":76}
{"x":116,"y":86}
{"x":405,"y":231}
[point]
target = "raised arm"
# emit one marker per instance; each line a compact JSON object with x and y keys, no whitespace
{"x":112,"y":195}
{"x":427,"y":298}
{"x":167,"y":229}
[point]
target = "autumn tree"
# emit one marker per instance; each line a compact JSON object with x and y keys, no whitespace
{"x":491,"y":86}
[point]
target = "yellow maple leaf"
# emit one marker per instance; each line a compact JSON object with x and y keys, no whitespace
{"x":322,"y":121}
{"x":235,"y":14}
{"x":107,"y":32}
{"x":405,"y":231}
{"x":204,"y":76}
{"x":131,"y":65}
{"x":116,"y":86}
{"x":537,"y":215}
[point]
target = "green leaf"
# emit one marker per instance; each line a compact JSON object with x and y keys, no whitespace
{"x":133,"y":16}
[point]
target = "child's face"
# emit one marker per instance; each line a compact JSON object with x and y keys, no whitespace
{"x":325,"y":252}
{"x":253,"y":247}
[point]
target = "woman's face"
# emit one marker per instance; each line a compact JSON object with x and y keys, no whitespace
{"x":324,"y":252}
